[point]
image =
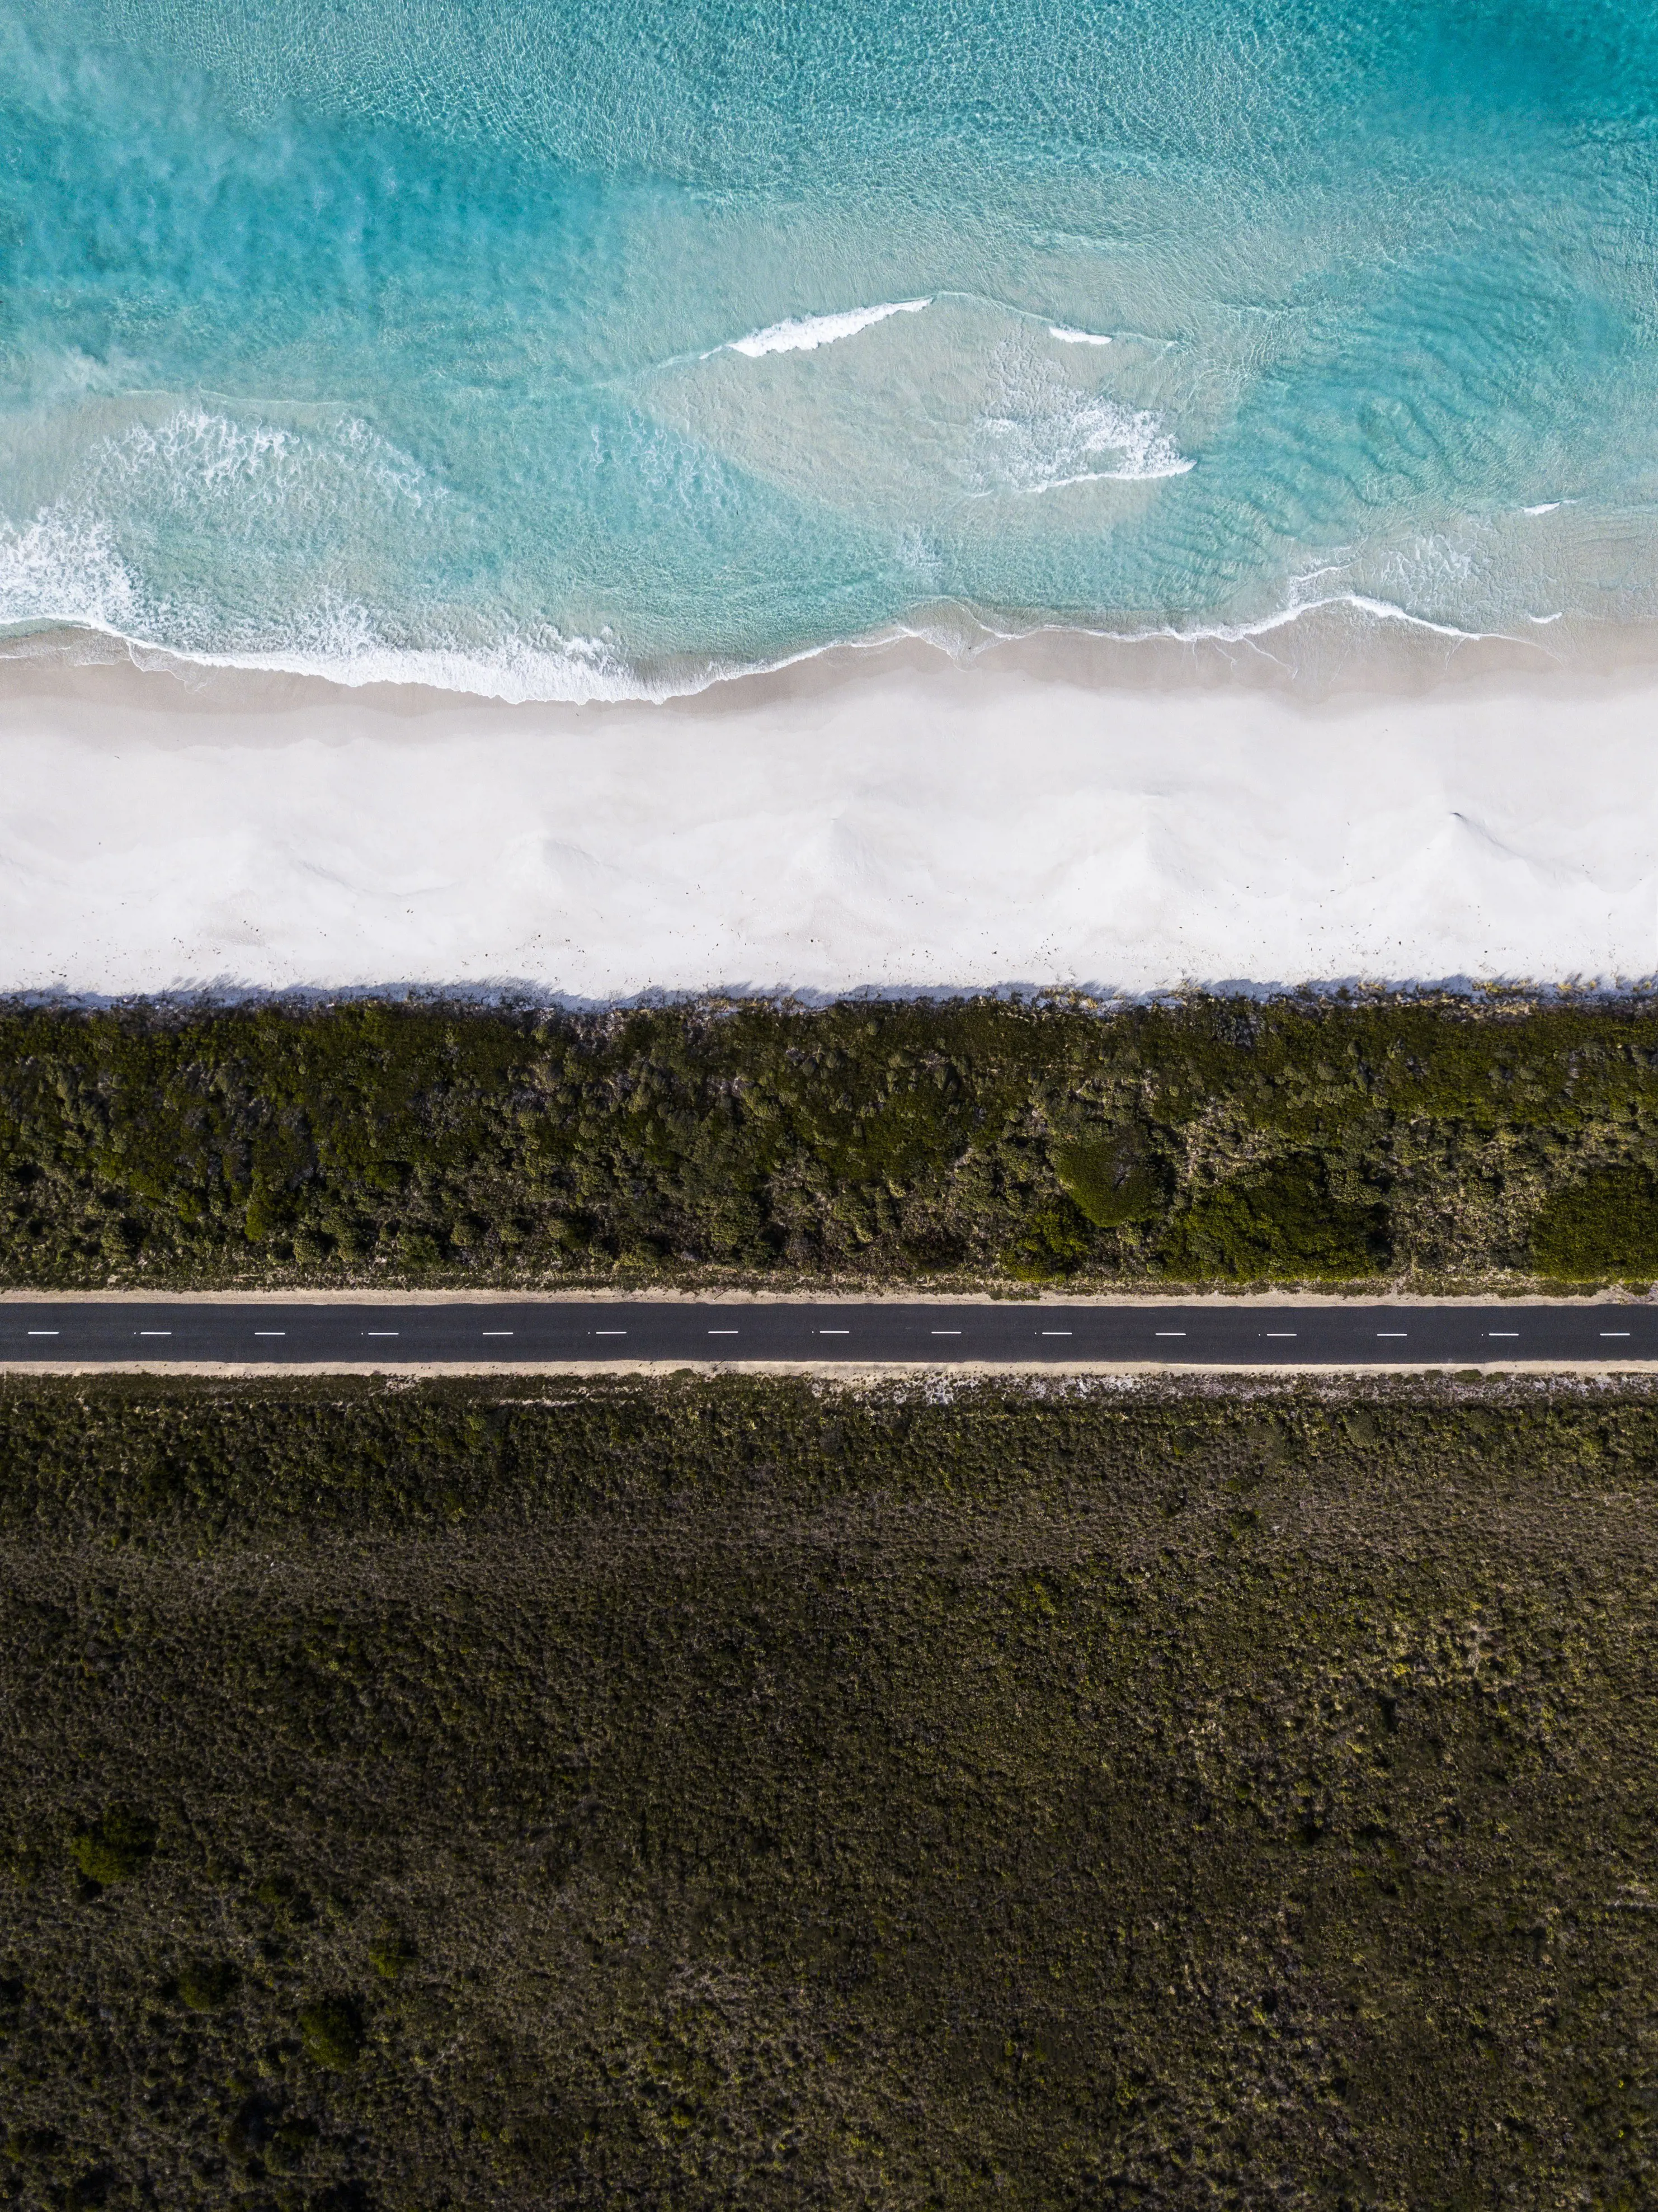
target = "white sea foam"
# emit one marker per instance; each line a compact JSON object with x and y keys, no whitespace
{"x":342,"y":644}
{"x":65,"y":567}
{"x":1048,"y":433}
{"x":216,"y":481}
{"x":1548,"y":506}
{"x":1296,"y":610}
{"x":196,"y":451}
{"x":805,"y":333}
{"x":1066,"y":335}
{"x":1146,"y":451}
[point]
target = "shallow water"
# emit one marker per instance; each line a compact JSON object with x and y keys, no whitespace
{"x":559,"y":352}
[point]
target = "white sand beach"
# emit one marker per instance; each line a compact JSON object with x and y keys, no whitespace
{"x":893,"y":820}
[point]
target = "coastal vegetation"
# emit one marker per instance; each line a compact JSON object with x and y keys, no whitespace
{"x":1215,"y":1140}
{"x":739,"y":1793}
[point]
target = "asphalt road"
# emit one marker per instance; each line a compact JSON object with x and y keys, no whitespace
{"x":1236,"y":1333}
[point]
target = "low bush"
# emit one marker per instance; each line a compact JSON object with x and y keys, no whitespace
{"x":1281,"y":1225}
{"x":116,"y":1847}
{"x":331,"y":2028}
{"x":1110,"y":1178}
{"x":207,"y":1984}
{"x":1606,"y":1226}
{"x":1053,"y":1241}
{"x":391,"y":1955}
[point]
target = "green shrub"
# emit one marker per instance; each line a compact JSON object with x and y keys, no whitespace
{"x":116,"y":1847}
{"x":332,"y":2030}
{"x":205,"y":1984}
{"x":391,"y":1955}
{"x":1607,"y":1227}
{"x":1108,"y":1179}
{"x":1055,"y":1241}
{"x":1282,"y":1226}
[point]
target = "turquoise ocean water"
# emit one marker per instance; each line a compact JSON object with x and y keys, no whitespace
{"x":571,"y":350}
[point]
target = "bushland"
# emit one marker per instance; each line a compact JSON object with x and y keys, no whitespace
{"x":1216,"y":1141}
{"x":733,"y":1793}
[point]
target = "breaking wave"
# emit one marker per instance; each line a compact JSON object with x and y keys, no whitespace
{"x":805,"y":333}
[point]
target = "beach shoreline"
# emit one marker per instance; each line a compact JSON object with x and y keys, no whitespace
{"x":1055,"y":810}
{"x":1322,"y":653}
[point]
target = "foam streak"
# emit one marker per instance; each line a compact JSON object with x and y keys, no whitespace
{"x":805,"y":333}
